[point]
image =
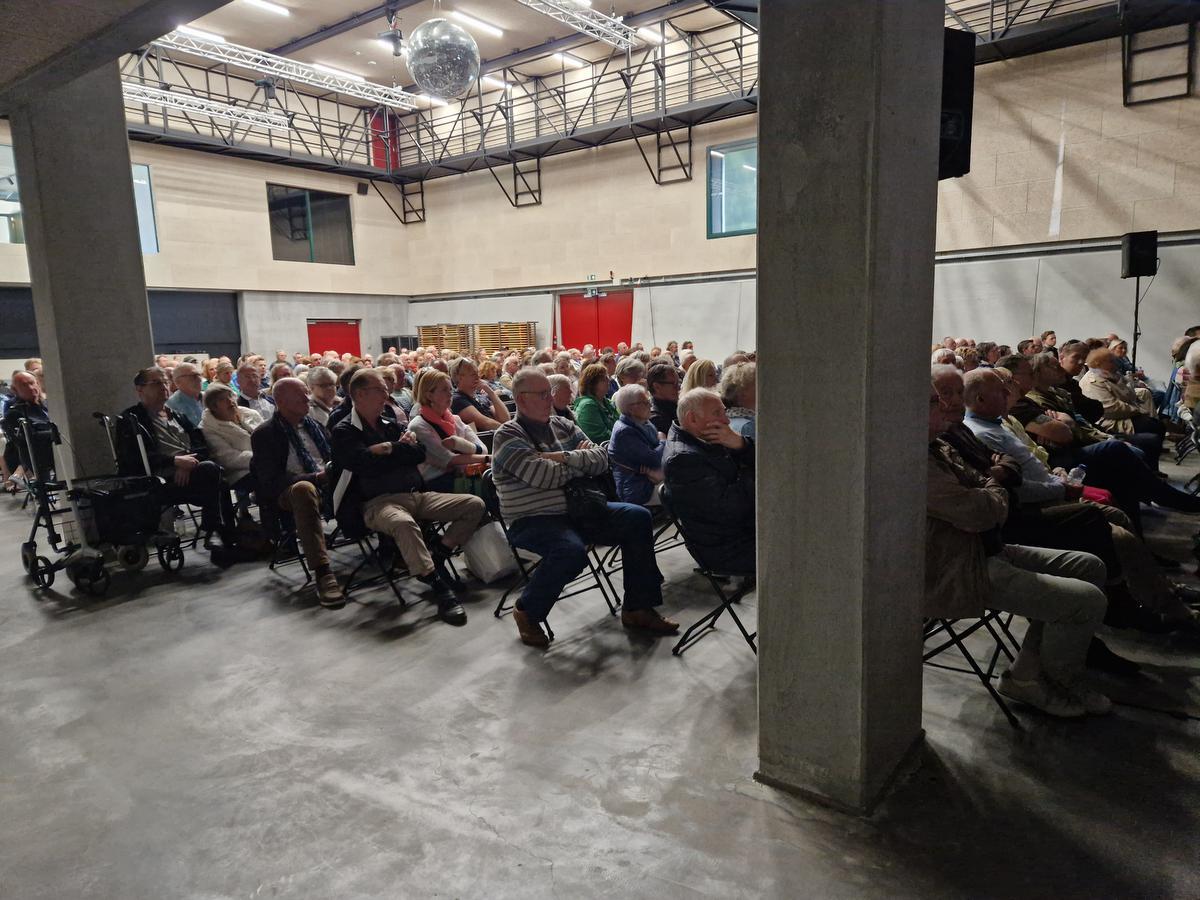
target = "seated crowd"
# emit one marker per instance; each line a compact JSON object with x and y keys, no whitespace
{"x":1040,"y":462}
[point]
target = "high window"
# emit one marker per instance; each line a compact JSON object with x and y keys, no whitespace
{"x":310,"y":226}
{"x":12,"y":228}
{"x":733,"y":189}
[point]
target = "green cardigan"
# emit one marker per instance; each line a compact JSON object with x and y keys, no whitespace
{"x":596,"y":418}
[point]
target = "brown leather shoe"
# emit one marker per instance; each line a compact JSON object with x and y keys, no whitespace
{"x":329,"y":592}
{"x":531,"y":632}
{"x":648,"y":620}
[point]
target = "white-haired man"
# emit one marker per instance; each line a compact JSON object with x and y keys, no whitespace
{"x":709,"y":471}
{"x":186,"y":399}
{"x":536,"y":455}
{"x":250,"y":390}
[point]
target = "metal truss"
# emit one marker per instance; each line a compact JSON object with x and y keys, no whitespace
{"x":282,"y":67}
{"x":240,"y":115}
{"x":586,"y":21}
{"x":672,"y":157}
{"x":412,"y":201}
{"x":526,"y":175}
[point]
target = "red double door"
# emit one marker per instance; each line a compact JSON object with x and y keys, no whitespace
{"x":604,"y":320}
{"x":334,"y":334}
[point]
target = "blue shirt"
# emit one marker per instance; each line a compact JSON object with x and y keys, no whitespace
{"x":186,"y":407}
{"x":1037,"y":485}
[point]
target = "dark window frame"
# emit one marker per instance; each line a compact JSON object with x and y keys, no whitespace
{"x":312,"y":243}
{"x":731,"y":147}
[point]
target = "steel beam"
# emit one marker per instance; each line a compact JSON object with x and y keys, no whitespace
{"x":325,"y":32}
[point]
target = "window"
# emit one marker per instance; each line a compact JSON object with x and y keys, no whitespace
{"x":12,"y":230}
{"x":733,"y":189}
{"x":309,"y":226}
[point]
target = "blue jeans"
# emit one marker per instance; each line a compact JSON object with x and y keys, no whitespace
{"x":564,"y":554}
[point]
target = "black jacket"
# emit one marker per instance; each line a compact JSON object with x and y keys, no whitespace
{"x":710,"y":489}
{"x":358,"y":474}
{"x":129,"y":457}
{"x":662,"y":414}
{"x":270,"y":448}
{"x":18,"y":410}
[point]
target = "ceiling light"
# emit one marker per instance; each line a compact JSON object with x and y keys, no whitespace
{"x":338,"y":72}
{"x":495,"y":83}
{"x":571,"y":62}
{"x":473,"y":22}
{"x":270,"y":7}
{"x":652,"y":37}
{"x":202,"y":35}
{"x":584,"y":3}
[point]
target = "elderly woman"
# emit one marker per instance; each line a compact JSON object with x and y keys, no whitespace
{"x":630,"y":370}
{"x":560,"y":392}
{"x":1124,"y":412}
{"x":224,"y":373}
{"x":450,"y":444}
{"x":322,"y":384}
{"x":635,"y":450}
{"x":701,"y":373}
{"x":209,"y":370}
{"x":739,"y":393}
{"x":485,"y":411}
{"x":594,"y":412}
{"x":227,"y":428}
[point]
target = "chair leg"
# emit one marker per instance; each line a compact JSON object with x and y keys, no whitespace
{"x":709,"y":622}
{"x":987,"y":682}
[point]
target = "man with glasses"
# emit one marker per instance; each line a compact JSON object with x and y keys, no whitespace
{"x":535,"y":456}
{"x":662,"y":378}
{"x":175,"y":452}
{"x":186,"y":399}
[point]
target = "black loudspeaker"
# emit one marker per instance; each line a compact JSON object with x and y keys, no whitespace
{"x":1139,"y":254}
{"x":958,"y":97}
{"x":363,"y":189}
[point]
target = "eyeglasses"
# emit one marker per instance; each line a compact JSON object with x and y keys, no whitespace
{"x":541,"y":395}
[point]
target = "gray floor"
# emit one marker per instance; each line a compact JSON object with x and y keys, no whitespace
{"x":216,"y":735}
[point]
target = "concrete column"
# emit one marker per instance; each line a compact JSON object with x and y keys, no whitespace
{"x":848,"y":145}
{"x":85,"y":258}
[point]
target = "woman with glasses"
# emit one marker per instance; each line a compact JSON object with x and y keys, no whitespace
{"x":635,"y":450}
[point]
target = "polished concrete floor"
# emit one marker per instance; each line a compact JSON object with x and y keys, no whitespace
{"x":213,"y":735}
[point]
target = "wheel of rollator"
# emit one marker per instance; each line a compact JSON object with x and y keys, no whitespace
{"x":96,"y":583}
{"x":133,"y":557}
{"x":170,"y":556}
{"x":28,"y":555}
{"x":42,"y":572}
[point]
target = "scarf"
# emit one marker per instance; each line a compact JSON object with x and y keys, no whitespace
{"x":318,"y":437}
{"x":443,"y":422}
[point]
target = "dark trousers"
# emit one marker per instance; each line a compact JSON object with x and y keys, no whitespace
{"x":206,"y":490}
{"x":1065,"y":526}
{"x":1120,"y":468}
{"x":1148,"y":437}
{"x":563,"y":550}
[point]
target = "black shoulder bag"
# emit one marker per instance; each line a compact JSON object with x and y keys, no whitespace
{"x":587,"y":499}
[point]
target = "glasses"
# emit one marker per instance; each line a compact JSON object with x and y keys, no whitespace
{"x":640,"y":403}
{"x":153,"y":381}
{"x":541,"y":395}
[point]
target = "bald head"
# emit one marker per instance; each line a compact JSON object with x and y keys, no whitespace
{"x":984,"y":393}
{"x":25,"y":386}
{"x":291,"y":399}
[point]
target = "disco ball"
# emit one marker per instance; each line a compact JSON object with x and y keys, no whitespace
{"x":443,"y":58}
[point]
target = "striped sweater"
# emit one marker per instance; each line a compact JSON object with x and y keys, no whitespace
{"x":531,"y":486}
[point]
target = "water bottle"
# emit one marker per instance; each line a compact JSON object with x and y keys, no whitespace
{"x":1077,"y":475}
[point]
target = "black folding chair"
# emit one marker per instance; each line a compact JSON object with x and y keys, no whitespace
{"x":718,"y":581}
{"x":954,"y":632}
{"x":593,"y":579}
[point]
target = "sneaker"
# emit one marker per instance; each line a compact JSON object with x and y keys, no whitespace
{"x":329,"y":592}
{"x":648,"y":620}
{"x":1040,"y":694}
{"x":451,"y":612}
{"x":531,"y":632}
{"x":1093,"y":702}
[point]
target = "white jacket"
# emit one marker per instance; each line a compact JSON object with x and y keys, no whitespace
{"x":229,"y":442}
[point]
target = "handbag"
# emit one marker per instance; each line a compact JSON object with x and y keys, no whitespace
{"x":588,"y":497}
{"x":487,"y":554}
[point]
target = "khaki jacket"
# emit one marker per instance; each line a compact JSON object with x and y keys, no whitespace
{"x":1121,"y":404}
{"x":960,"y":506}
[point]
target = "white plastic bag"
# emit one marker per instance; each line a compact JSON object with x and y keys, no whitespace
{"x":488,"y":555}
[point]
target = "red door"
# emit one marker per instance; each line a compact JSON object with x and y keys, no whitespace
{"x":602,"y":321}
{"x":334,"y":334}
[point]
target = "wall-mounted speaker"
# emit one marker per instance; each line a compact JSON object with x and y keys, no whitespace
{"x":958,"y":97}
{"x":1139,"y":254}
{"x":363,"y":189}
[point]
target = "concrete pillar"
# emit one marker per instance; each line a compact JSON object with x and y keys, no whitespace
{"x":848,"y":145}
{"x":85,"y":258}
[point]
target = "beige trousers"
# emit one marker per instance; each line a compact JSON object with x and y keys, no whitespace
{"x":398,"y":515}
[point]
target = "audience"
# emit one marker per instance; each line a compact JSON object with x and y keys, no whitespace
{"x":451,"y":446}
{"x":1124,"y":413}
{"x":26,"y":403}
{"x":186,"y":399}
{"x":227,"y":428}
{"x":323,"y":399}
{"x":537,"y":456}
{"x":663,"y":382}
{"x":475,"y":401}
{"x":738,"y":389}
{"x":701,"y":373}
{"x":594,"y":412}
{"x":249,"y":385}
{"x":636,"y":449}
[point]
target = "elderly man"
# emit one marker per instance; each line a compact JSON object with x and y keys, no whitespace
{"x":186,"y":400}
{"x":323,"y":385}
{"x":26,"y":404}
{"x":379,"y":481}
{"x":174,"y":450}
{"x":291,"y":455}
{"x":536,"y":455}
{"x":1124,"y":413}
{"x":709,"y":471}
{"x":250,"y":391}
{"x":662,"y":380}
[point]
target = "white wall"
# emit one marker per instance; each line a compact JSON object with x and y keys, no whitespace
{"x":718,"y":316}
{"x":537,"y":308}
{"x":275,"y":320}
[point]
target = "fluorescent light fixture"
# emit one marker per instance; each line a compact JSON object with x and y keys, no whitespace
{"x":571,"y":62}
{"x":495,"y":83}
{"x":586,"y":4}
{"x":330,"y":70}
{"x":749,"y":168}
{"x":650,"y":36}
{"x":718,"y":154}
{"x":270,"y":7}
{"x":202,"y":35}
{"x":472,"y":22}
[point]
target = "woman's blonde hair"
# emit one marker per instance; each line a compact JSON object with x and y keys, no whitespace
{"x":427,"y":381}
{"x":697,"y":374}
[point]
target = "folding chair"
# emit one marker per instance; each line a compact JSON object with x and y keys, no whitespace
{"x":995,"y":623}
{"x":594,"y":578}
{"x":281,"y":528}
{"x":717,"y":580}
{"x":371,"y":546}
